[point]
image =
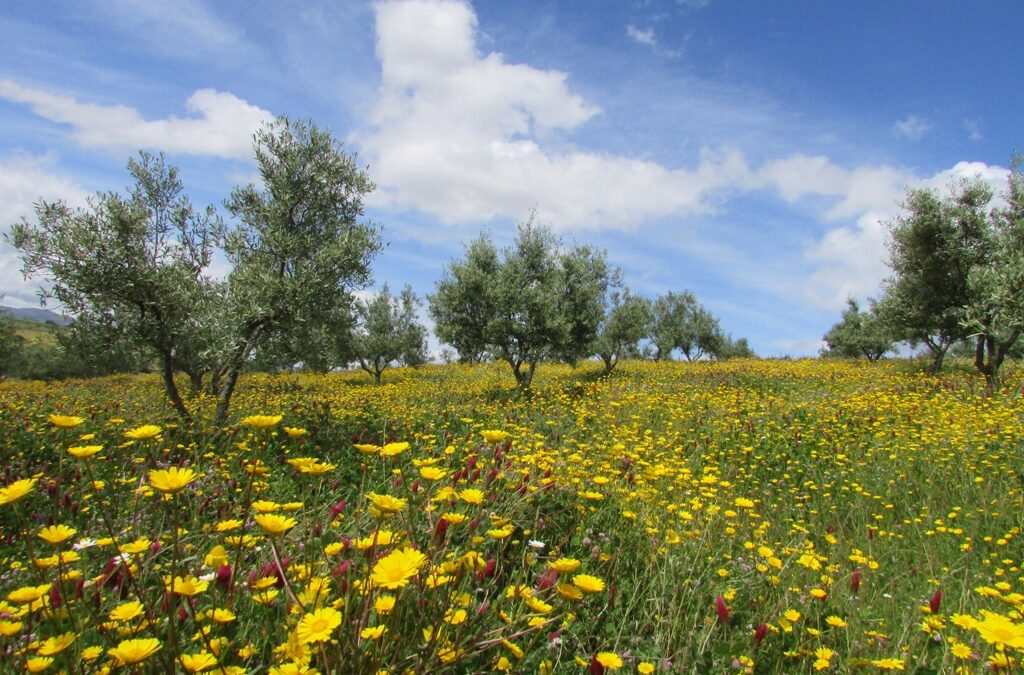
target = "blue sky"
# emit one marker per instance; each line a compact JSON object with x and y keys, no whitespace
{"x":747,"y":151}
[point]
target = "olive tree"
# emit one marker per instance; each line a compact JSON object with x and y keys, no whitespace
{"x":532,"y":302}
{"x":387,"y":332}
{"x":934,"y":245}
{"x":140,"y":261}
{"x":627,"y":322}
{"x":299,"y":250}
{"x":995,"y":312}
{"x":737,"y":349}
{"x":859,"y":334}
{"x":679,"y":321}
{"x":137,"y":259}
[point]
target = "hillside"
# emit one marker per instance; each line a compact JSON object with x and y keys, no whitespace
{"x":36,"y":315}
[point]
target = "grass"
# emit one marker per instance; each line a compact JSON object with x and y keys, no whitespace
{"x":750,"y":516}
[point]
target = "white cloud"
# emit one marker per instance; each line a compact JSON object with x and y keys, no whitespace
{"x":468,"y":137}
{"x":913,"y":127}
{"x":644,"y":37}
{"x":222,"y":124}
{"x":851,"y":260}
{"x":24,"y":179}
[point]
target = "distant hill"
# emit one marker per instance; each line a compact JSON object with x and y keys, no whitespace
{"x":37,"y":314}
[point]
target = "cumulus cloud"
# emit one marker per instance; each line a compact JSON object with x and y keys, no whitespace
{"x":24,"y":180}
{"x":912,"y":127}
{"x":221,"y":124}
{"x":467,"y":137}
{"x":851,"y":260}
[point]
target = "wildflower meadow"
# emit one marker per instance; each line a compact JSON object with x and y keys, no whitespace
{"x":745,"y":516}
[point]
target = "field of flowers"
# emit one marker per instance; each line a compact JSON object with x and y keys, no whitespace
{"x":747,"y":516}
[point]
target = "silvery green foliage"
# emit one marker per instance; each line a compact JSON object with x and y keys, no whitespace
{"x":138,"y":260}
{"x":627,"y":322}
{"x":534,"y":301}
{"x":388,"y":332}
{"x":958,"y":271}
{"x":995,"y":313}
{"x":680,"y":322}
{"x":859,"y":334}
{"x":299,"y":249}
{"x":934,"y":244}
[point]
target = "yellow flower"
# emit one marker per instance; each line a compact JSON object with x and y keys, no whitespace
{"x":392,"y":449}
{"x":588,"y":583}
{"x":384,"y":604}
{"x":386,"y":504}
{"x":189,"y":585}
{"x":433,"y":473}
{"x":84,"y":451}
{"x":265,"y":506}
{"x":396,"y":568}
{"x":171,"y":480}
{"x":56,"y":645}
{"x":217,"y":556}
{"x":92,"y":653}
{"x":28,"y":594}
{"x":16,"y":491}
{"x":274,"y":524}
{"x":261,"y":421}
{"x":126,"y":611}
{"x":492,"y":436}
{"x":965,"y":621}
{"x":293,"y":668}
{"x":378,"y":538}
{"x":65,"y":421}
{"x":295,"y":432}
{"x":134,"y":547}
{"x":564,"y":565}
{"x":228,"y":525}
{"x":609,"y":660}
{"x":645,"y":668}
{"x":56,"y":534}
{"x":372,"y":632}
{"x":197,"y":663}
{"x":836,"y":622}
{"x":501,"y":532}
{"x":221,"y":615}
{"x":143,"y":433}
{"x":569,"y":592}
{"x":317,"y":626}
{"x":130,"y":652}
{"x":472,"y":496}
{"x":997,"y":629}
{"x":961,"y":651}
{"x":10,"y":628}
{"x":367,"y":448}
{"x":38,"y":664}
{"x":888,"y":664}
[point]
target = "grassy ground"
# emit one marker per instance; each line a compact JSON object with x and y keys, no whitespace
{"x":749,"y":516}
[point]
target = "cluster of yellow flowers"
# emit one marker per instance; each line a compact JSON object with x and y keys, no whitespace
{"x":781,"y":516}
